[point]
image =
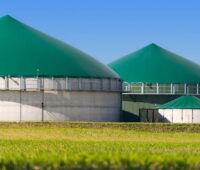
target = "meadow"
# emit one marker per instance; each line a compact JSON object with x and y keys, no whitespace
{"x":113,"y":146}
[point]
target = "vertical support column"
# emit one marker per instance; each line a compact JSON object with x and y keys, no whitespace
{"x":110,"y":85}
{"x":52,"y":80}
{"x":20,"y":105}
{"x":66,"y":83}
{"x":192,"y":116}
{"x":142,"y":88}
{"x":6,"y":83}
{"x":185,"y":89}
{"x":121,"y":109}
{"x":42,"y":83}
{"x":101,"y":84}
{"x":153,"y":116}
{"x":91,"y":88}
{"x":172,"y":91}
{"x":163,"y":116}
{"x":22,"y":86}
{"x":182,"y":115}
{"x":20,"y":83}
{"x":42,"y":105}
{"x":38,"y":83}
{"x":157,"y":88}
{"x":129,"y":87}
{"x":197,"y":89}
{"x":125,"y":86}
{"x":79,"y":84}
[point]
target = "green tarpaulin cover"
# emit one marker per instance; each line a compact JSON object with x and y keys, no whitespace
{"x":184,"y":102}
{"x":153,"y":64}
{"x":26,"y":52}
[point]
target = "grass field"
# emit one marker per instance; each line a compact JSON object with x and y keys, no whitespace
{"x":99,"y":146}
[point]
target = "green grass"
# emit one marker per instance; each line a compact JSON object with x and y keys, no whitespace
{"x":99,"y":146}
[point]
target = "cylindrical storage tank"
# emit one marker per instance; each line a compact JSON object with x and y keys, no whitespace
{"x":44,"y":79}
{"x":185,"y":109}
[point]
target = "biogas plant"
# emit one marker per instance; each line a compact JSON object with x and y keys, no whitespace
{"x":44,"y":79}
{"x":154,"y":76}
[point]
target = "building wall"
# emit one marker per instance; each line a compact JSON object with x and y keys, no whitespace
{"x":180,"y":115}
{"x":132,"y":104}
{"x":170,"y":115}
{"x":61,"y":105}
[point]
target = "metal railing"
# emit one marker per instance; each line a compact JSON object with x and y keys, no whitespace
{"x":161,"y":89}
{"x":66,"y":83}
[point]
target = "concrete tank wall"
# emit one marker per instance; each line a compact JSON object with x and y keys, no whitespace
{"x":180,"y":115}
{"x":9,"y":106}
{"x":49,"y":105}
{"x":170,"y":115}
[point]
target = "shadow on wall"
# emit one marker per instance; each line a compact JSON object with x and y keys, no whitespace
{"x":132,"y":104}
{"x":62,"y":105}
{"x":130,"y":117}
{"x":152,"y":115}
{"x":153,"y":99}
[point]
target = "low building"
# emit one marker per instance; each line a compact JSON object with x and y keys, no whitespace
{"x":185,"y":109}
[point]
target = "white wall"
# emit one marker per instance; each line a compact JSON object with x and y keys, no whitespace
{"x":31,"y":107}
{"x":167,"y":115}
{"x":187,"y":116}
{"x":181,"y":115}
{"x":60,"y":106}
{"x":196,"y":116}
{"x":86,"y":106}
{"x":177,"y":115}
{"x":9,"y":106}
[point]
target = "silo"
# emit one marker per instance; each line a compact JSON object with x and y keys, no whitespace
{"x":185,"y":109}
{"x":44,"y":79}
{"x":152,"y":76}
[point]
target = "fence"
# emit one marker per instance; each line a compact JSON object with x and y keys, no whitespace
{"x":161,"y":89}
{"x":80,"y":84}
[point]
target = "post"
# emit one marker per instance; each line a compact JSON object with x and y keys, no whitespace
{"x":192,"y":116}
{"x":22,"y":83}
{"x":157,"y":88}
{"x":52,"y":80}
{"x":182,"y":115}
{"x":142,"y":88}
{"x":172,"y":91}
{"x":185,"y":89}
{"x":197,"y":89}
{"x":7,"y":82}
{"x":79,"y":83}
{"x":20,"y":105}
{"x":38,"y":83}
{"x":42,"y":105}
{"x":66,"y":83}
{"x":101,"y":84}
{"x":110,"y":87}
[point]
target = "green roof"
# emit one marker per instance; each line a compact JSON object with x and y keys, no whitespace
{"x":184,"y":102}
{"x":153,"y":64}
{"x":24,"y":51}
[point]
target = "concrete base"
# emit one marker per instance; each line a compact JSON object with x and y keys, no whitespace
{"x":59,"y":106}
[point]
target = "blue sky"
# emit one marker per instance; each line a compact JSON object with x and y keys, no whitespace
{"x":109,"y":29}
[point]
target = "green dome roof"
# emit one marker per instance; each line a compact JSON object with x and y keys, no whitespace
{"x":153,"y":64}
{"x":183,"y":102}
{"x":27,"y":52}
